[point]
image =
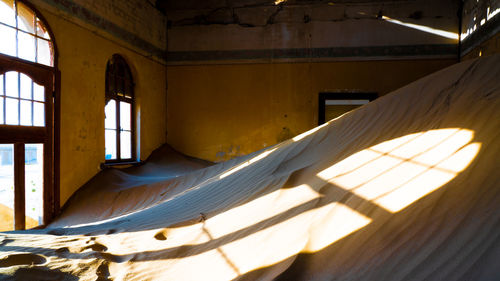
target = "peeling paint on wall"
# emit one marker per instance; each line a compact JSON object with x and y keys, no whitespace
{"x":228,"y":152}
{"x":296,"y":31}
{"x":133,"y":22}
{"x":284,"y":135}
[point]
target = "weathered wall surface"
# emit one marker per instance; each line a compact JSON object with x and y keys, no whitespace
{"x":243,"y":75}
{"x":83,"y":54}
{"x":134,"y":24}
{"x":480,"y":28}
{"x":230,"y":110}
{"x":248,"y":30}
{"x":487,"y":47}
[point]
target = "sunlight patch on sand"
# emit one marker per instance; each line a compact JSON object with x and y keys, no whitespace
{"x":398,"y":172}
{"x":266,"y":207}
{"x":337,"y":221}
{"x":278,"y":225}
{"x":310,"y":132}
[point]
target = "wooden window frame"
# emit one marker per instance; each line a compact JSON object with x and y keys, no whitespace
{"x":341,"y":95}
{"x":49,"y":135}
{"x":35,"y":35}
{"x":50,"y":78}
{"x":111,"y":93}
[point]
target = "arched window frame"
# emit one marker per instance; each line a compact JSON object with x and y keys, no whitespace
{"x":49,"y":76}
{"x":119,"y":87}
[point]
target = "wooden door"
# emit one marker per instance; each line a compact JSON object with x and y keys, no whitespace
{"x":26,"y":140}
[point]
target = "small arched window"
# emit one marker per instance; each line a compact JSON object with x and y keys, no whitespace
{"x":119,"y":110}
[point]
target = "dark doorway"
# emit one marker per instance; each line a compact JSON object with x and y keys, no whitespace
{"x":333,"y":104}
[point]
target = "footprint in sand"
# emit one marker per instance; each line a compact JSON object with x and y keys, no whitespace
{"x":57,"y":232}
{"x":62,"y":251}
{"x":100,"y":252}
{"x":4,"y":240}
{"x":95,"y":250}
{"x":92,"y":246}
{"x":161,"y":235}
{"x":22,"y":259}
{"x":102,"y":272}
{"x":95,"y":247}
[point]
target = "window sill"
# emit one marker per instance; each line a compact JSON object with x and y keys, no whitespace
{"x":126,"y":164}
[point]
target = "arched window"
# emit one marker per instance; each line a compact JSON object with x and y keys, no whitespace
{"x":23,"y":33}
{"x":119,"y":123}
{"x":28,"y":196}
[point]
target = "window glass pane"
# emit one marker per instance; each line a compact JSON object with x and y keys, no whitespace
{"x":125,"y":113}
{"x":110,"y":115}
{"x":38,"y":92}
{"x":7,"y":12}
{"x":1,"y":110}
{"x":44,"y":52}
{"x":26,"y":113}
{"x":125,"y":145}
{"x":120,"y":86}
{"x":26,"y":46}
{"x":26,"y":84}
{"x":39,"y":114}
{"x":8,"y":42}
{"x":25,"y":18}
{"x":128,"y":89}
{"x":111,"y":84}
{"x":1,"y":100}
{"x":41,"y":30}
{"x":12,"y":111}
{"x":6,"y":186}
{"x":110,"y":139}
{"x":33,"y":168}
{"x":11,"y":83}
{"x":120,"y":69}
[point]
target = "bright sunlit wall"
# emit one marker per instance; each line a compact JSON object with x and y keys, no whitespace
{"x":83,"y":68}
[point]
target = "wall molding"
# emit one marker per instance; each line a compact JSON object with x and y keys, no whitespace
{"x":314,"y":54}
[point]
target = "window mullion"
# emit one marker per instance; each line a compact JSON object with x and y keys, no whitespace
{"x":32,"y":104}
{"x":17,"y":29}
{"x":132,"y":129}
{"x":19,"y":187}
{"x":118,"y":130}
{"x":18,"y":98}
{"x":35,"y":38}
{"x":4,"y":92}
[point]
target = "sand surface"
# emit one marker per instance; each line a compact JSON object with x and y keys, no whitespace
{"x":404,"y":188}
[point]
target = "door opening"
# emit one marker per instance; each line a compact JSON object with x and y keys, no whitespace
{"x":26,"y":146}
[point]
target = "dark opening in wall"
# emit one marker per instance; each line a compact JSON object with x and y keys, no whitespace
{"x":333,"y":104}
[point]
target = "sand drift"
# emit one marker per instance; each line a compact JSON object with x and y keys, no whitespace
{"x":404,"y":188}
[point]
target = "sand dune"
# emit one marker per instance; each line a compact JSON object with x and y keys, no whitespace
{"x":404,"y":188}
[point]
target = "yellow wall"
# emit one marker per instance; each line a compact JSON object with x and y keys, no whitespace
{"x":217,"y":112}
{"x":82,"y":62}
